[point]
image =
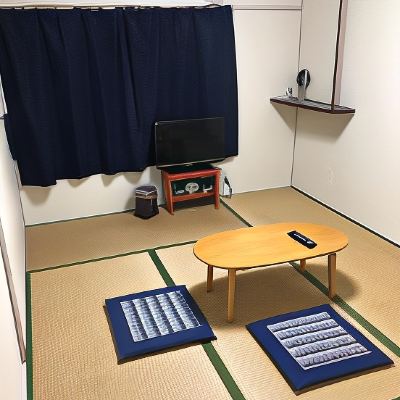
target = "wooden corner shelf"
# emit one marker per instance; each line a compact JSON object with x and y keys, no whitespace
{"x":312,"y":105}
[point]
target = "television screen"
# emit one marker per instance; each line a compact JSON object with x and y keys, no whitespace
{"x":189,"y":141}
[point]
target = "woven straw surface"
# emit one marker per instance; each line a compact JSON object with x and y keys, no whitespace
{"x":73,"y":350}
{"x":86,"y":239}
{"x":368,"y":275}
{"x":73,"y":353}
{"x":261,"y":293}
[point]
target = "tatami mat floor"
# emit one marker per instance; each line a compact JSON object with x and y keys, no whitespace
{"x":75,"y":241}
{"x":367,"y":270}
{"x":72,"y":354}
{"x":262,"y":293}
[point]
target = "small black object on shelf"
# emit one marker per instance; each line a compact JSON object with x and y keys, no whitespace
{"x":303,"y":78}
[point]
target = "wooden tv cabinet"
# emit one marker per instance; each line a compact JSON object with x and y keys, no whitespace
{"x":177,"y":173}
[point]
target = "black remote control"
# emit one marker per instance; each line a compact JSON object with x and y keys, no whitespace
{"x":304,"y":240}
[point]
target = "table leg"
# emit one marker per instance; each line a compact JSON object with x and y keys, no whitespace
{"x":302,"y":265}
{"x":332,"y":275}
{"x":231,"y":293}
{"x":210,"y":278}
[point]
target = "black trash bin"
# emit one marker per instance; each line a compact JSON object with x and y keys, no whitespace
{"x":146,"y":201}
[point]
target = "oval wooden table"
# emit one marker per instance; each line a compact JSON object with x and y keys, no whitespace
{"x":264,"y":245}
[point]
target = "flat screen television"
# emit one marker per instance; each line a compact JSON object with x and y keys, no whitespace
{"x":189,"y":141}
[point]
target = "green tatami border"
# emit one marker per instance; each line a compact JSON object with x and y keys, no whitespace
{"x":237,"y":215}
{"x":212,"y":354}
{"x":161,"y":268}
{"x":215,"y":359}
{"x":375,"y":332}
{"x":346,"y":217}
{"x":129,"y":210}
{"x":129,"y":253}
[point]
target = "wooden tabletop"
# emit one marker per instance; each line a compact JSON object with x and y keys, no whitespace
{"x":267,"y":245}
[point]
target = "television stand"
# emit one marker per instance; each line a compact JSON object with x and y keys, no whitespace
{"x":189,"y":182}
{"x":176,"y":169}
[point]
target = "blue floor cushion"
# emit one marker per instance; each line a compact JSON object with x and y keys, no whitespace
{"x":154,"y":320}
{"x":316,"y":345}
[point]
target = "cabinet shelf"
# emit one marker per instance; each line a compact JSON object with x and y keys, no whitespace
{"x":179,"y":173}
{"x":312,"y":105}
{"x":184,"y":197}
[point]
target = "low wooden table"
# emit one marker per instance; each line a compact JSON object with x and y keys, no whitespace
{"x":267,"y":245}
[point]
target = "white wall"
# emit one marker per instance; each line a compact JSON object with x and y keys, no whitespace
{"x":353,"y":164}
{"x":12,"y":371}
{"x":12,"y":222}
{"x":318,"y":46}
{"x":267,"y":62}
{"x":267,"y":58}
{"x":74,"y":198}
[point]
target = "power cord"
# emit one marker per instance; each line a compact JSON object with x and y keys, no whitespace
{"x":226,"y":181}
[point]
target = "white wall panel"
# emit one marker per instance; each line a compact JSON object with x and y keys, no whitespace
{"x":74,"y":198}
{"x":353,"y":164}
{"x":318,"y":46}
{"x":12,"y":221}
{"x":12,"y":371}
{"x":267,"y":57}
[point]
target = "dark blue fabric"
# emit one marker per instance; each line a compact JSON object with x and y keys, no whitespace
{"x":84,"y":88}
{"x":127,"y":348}
{"x":300,"y":379}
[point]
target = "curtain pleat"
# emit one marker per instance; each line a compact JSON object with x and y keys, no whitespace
{"x":84,"y":88}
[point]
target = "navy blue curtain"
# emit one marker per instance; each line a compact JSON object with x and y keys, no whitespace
{"x":84,"y":88}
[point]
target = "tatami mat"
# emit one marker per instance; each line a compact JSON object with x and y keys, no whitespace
{"x":368,"y":275}
{"x":85,"y":239}
{"x":73,"y":351}
{"x":261,"y":293}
